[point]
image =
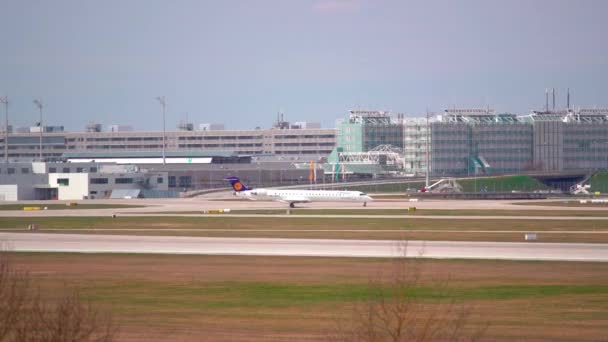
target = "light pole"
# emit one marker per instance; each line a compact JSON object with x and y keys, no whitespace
{"x":428,"y":129}
{"x":163,"y":104}
{"x":259,"y":175}
{"x":38,"y":104}
{"x":4,"y":100}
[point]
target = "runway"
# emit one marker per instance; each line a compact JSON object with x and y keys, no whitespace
{"x":34,"y":242}
{"x":172,"y":207}
{"x":98,"y":213}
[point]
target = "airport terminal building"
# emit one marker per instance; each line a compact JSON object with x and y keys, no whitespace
{"x":191,"y":160}
{"x":467,"y":141}
{"x":479,"y":141}
{"x":367,"y":144}
{"x":473,"y":142}
{"x":297,"y":142}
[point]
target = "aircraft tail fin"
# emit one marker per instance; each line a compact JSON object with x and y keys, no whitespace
{"x":236,"y":183}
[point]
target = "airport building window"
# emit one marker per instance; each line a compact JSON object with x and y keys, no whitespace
{"x":172,"y":182}
{"x":99,"y":181}
{"x":52,"y":170}
{"x":79,"y":170}
{"x":93,"y":169}
{"x":185,"y":181}
{"x":63,"y":181}
{"x":25,"y":170}
{"x":123,"y":181}
{"x":10,"y":170}
{"x":66,"y":170}
{"x":160,"y":180}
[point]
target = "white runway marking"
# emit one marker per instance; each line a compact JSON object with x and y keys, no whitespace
{"x":303,"y":247}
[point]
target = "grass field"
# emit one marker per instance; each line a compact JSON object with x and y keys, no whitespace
{"x":417,"y":212}
{"x":502,"y":184}
{"x":384,"y":188}
{"x":573,"y":203}
{"x":160,"y":297}
{"x":426,"y":212}
{"x":599,"y":182}
{"x":332,"y":228}
{"x":481,"y":184}
{"x":20,"y":206}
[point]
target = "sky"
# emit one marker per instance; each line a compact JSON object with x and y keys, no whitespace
{"x":240,"y":62}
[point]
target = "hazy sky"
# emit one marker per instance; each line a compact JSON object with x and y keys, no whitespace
{"x":239,"y":62}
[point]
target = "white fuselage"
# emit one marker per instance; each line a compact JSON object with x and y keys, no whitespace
{"x":304,"y":196}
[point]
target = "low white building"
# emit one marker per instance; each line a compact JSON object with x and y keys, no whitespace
{"x":23,"y":181}
{"x":77,"y":186}
{"x":70,"y":186}
{"x":9,"y":192}
{"x":69,"y":181}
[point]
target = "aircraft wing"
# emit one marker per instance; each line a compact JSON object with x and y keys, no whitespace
{"x":294,"y":199}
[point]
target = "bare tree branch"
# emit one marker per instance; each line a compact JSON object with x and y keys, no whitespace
{"x":26,"y":316}
{"x":393,"y":313}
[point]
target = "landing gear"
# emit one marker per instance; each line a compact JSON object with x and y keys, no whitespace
{"x":365,"y":204}
{"x":292,"y":205}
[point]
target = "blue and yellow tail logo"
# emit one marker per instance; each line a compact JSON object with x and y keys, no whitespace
{"x":236,"y":183}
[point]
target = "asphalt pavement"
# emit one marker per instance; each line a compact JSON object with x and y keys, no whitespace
{"x":83,"y":243}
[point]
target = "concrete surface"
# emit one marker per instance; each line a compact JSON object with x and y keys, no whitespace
{"x":303,"y":247}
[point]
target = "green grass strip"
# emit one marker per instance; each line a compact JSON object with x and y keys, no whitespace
{"x":205,"y":296}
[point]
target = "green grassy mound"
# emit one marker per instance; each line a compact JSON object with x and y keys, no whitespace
{"x":599,"y":182}
{"x":502,"y":184}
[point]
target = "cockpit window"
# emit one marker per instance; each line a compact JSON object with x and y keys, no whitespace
{"x":363,"y":194}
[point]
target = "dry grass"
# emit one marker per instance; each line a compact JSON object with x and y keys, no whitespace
{"x":300,"y":222}
{"x":30,"y":314}
{"x":290,"y":298}
{"x":437,"y":235}
{"x":419,"y":212}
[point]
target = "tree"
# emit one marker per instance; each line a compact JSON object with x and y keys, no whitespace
{"x":26,"y":316}
{"x":393,"y":313}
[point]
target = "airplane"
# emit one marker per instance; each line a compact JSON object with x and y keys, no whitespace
{"x":296,"y":196}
